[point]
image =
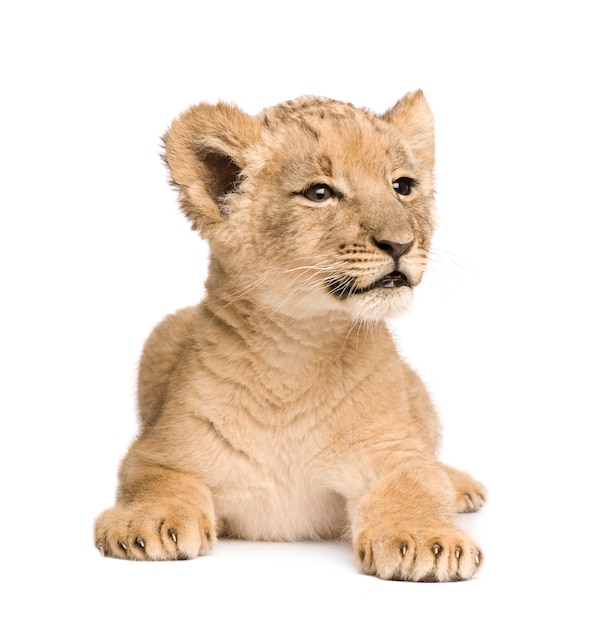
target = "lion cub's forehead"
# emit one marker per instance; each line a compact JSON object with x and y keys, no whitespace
{"x":313,"y":131}
{"x":317,"y":118}
{"x":309,"y":107}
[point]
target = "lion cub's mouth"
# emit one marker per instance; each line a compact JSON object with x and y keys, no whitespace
{"x":344,"y":287}
{"x":391,"y":281}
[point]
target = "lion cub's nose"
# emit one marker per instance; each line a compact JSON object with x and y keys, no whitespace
{"x":394,"y":249}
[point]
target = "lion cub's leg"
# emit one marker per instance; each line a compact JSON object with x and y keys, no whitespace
{"x":160,"y":356}
{"x":160,"y":514}
{"x":470,"y":494}
{"x":404,"y":529}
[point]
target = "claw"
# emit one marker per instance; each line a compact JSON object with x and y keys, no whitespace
{"x":173,"y":535}
{"x":403,"y":548}
{"x":140,"y":542}
{"x":477,"y":559}
{"x":458,"y":552}
{"x":122,"y":544}
{"x":437,"y":549}
{"x":100,"y":547}
{"x":469,"y":502}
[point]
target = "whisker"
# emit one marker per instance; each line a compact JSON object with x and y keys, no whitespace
{"x":446,"y":265}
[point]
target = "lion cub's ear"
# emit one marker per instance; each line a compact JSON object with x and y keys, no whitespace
{"x":413,"y":118}
{"x":205,"y":150}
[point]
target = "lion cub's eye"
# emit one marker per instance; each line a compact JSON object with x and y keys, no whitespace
{"x":403,"y":185}
{"x":319,"y":193}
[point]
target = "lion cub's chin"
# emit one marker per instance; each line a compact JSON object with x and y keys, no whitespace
{"x":371,"y":306}
{"x":380,"y":304}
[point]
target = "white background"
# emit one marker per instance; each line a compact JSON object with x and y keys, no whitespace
{"x":510,"y":327}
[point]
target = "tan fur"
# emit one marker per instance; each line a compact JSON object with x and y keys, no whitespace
{"x":279,"y":409}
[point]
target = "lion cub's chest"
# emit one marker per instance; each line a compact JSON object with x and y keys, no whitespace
{"x":275,"y":474}
{"x":278,"y":412}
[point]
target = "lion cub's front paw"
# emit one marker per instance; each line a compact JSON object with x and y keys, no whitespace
{"x":443,"y":554}
{"x":470,"y":493}
{"x":153,"y":533}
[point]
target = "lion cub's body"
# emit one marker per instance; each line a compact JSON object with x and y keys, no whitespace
{"x":278,"y":409}
{"x":278,"y":458}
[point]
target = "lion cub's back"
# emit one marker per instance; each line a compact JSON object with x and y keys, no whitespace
{"x":159,"y":358}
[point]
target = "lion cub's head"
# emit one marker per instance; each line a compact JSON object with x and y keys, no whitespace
{"x":312,"y":206}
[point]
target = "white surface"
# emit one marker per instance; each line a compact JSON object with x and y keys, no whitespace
{"x":510,"y":327}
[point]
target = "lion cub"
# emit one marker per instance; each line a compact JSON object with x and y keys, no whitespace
{"x":278,"y":409}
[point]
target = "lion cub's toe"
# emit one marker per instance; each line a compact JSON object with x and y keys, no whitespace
{"x":153,"y":533}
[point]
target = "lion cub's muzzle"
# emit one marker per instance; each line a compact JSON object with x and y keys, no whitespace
{"x":344,"y":287}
